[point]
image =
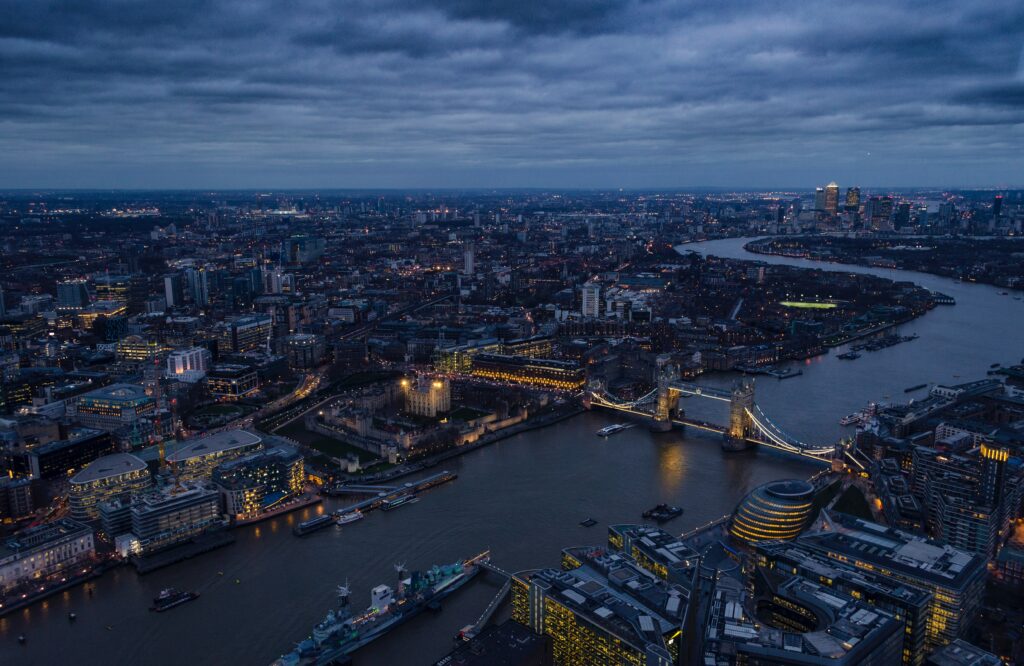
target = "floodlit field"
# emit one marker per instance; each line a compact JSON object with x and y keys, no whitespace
{"x":808,"y":305}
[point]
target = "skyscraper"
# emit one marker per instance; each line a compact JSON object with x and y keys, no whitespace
{"x":852,"y":199}
{"x":997,"y":205}
{"x":832,"y":198}
{"x":591,"y":304}
{"x":819,"y":198}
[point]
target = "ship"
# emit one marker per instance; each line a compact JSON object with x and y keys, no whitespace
{"x":851,"y":419}
{"x":346,"y":517}
{"x":663,"y":513}
{"x":399,"y":501}
{"x":342,"y":631}
{"x":170,"y":597}
{"x":849,"y":356}
{"x":611,"y":430}
{"x":312,"y":525}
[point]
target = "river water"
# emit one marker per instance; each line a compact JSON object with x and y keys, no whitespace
{"x":522,"y":498}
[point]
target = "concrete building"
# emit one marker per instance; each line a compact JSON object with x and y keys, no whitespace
{"x":189,"y":365}
{"x":196,"y":459}
{"x":108,"y":477}
{"x":244,"y":334}
{"x":256,"y":482}
{"x":590,"y":304}
{"x":228,"y":381}
{"x":303,"y":350}
{"x":43,"y":552}
{"x":168,"y":516}
{"x":603,"y":608}
{"x":113,"y":407}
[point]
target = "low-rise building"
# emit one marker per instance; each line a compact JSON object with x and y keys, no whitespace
{"x":45,"y":551}
{"x":114,"y":407}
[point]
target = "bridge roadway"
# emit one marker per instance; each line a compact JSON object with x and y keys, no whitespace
{"x":762,"y":430}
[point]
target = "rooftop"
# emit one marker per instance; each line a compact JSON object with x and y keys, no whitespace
{"x":217,"y":443}
{"x":118,"y":392}
{"x":108,"y":466}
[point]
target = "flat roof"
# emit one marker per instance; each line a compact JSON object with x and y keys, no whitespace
{"x":107,"y":466}
{"x":118,"y":392}
{"x":216,"y":443}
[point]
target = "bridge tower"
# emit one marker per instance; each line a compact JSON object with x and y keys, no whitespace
{"x":740,"y":423}
{"x":666,"y":374}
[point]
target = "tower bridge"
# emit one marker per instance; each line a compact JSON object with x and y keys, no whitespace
{"x":748,"y":424}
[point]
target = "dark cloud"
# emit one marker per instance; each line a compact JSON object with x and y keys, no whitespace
{"x":478,"y":92}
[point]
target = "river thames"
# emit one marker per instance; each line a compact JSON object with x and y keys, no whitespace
{"x":522,"y":498}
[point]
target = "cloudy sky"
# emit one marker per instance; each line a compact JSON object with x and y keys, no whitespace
{"x":486,"y":93}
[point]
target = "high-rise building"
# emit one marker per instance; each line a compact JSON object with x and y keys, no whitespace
{"x":881,"y":213}
{"x":832,"y":198}
{"x":819,"y":198}
{"x":902,"y":216}
{"x":590,"y":305}
{"x":174,"y":290}
{"x":468,"y":261}
{"x":852,"y":199}
{"x":198,"y":285}
{"x":997,"y":205}
{"x":72,"y":296}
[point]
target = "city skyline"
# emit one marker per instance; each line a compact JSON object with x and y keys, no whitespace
{"x":484,"y":95}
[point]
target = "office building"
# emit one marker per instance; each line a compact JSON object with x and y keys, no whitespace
{"x":954,"y":577}
{"x":256,"y":482}
{"x":832,"y":198}
{"x":15,"y":498}
{"x":135,"y":348}
{"x":164,"y":517}
{"x":880,"y":213}
{"x":468,"y":263}
{"x":189,"y":365}
{"x":819,"y":199}
{"x":116,"y":475}
{"x":797,"y":622}
{"x":198,"y":282}
{"x":427,"y":397}
{"x":301,"y":249}
{"x":112,"y":287}
{"x":551,"y":373}
{"x":590,"y":305}
{"x":244,"y":334}
{"x":228,"y":381}
{"x":908,"y":604}
{"x":657,"y":551}
{"x":775,"y":510}
{"x":196,"y":459}
{"x":38,"y":554}
{"x":114,"y":407}
{"x":72,"y":296}
{"x":174,"y":290}
{"x":962,"y":653}
{"x":60,"y":457}
{"x":303,"y":350}
{"x":852,"y":199}
{"x":603,"y":608}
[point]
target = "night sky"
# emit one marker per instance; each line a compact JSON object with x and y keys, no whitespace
{"x":479,"y":93}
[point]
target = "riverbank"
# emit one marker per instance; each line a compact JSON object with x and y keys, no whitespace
{"x":806,"y":251}
{"x":529,"y":425}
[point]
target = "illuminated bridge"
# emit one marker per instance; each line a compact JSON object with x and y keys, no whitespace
{"x":748,"y":424}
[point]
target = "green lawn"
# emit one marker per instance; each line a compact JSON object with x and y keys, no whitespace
{"x":325,"y":445}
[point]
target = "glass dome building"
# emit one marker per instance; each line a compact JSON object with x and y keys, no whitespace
{"x":778,"y":510}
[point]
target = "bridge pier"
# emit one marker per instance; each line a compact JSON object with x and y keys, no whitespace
{"x":737,"y":436}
